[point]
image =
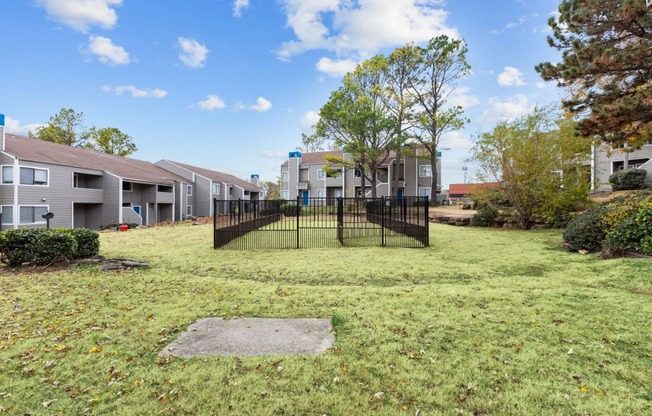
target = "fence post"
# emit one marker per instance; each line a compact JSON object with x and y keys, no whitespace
{"x":427,"y":219}
{"x":340,"y":220}
{"x":382,"y":221}
{"x":297,"y":211}
{"x":214,"y":223}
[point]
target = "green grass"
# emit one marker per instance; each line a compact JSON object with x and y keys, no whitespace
{"x":484,"y":322}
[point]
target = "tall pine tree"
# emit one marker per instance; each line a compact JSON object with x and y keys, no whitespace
{"x":607,"y":61}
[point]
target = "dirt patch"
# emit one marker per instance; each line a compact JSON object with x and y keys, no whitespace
{"x":104,"y":263}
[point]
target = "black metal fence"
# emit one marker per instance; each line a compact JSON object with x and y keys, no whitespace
{"x":322,"y":222}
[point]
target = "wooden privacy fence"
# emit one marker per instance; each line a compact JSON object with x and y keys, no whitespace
{"x":321,"y":222}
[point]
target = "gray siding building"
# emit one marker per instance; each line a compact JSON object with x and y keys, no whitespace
{"x":204,"y":185}
{"x":303,"y":175}
{"x":82,"y":188}
{"x":606,"y":160}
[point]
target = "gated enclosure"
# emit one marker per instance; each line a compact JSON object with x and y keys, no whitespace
{"x":321,"y":222}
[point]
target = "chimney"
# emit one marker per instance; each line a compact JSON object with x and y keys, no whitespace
{"x":255,"y":179}
{"x":2,"y":132}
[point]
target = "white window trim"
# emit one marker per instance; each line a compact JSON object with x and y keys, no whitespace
{"x":321,"y":175}
{"x":321,"y":193}
{"x":47,"y":208}
{"x":189,"y":189}
{"x":216,"y":185}
{"x":284,"y":176}
{"x":3,"y":214}
{"x":425,"y":188}
{"x":188,"y":210}
{"x":2,"y":170}
{"x":429,"y":168}
{"x":285,"y":195}
{"x":47,"y":185}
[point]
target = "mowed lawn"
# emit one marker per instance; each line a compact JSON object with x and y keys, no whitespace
{"x":484,"y":322}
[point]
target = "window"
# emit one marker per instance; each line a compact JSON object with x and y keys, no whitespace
{"x":425,"y":171}
{"x":7,"y":214}
{"x":216,"y":188}
{"x":424,"y":192}
{"x":31,"y":176}
{"x":285,"y":195}
{"x":284,"y":176}
{"x":189,"y":210}
{"x":189,"y":190}
{"x":32,"y":215}
{"x":320,"y":193}
{"x":321,"y":174}
{"x":7,"y":174}
{"x":358,"y":173}
{"x":127,"y":186}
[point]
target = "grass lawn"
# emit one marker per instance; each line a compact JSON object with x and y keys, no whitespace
{"x":483,"y":322}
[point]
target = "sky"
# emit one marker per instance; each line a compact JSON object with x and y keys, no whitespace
{"x":231,"y":85}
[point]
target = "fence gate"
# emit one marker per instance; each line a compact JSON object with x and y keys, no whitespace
{"x":321,"y":222}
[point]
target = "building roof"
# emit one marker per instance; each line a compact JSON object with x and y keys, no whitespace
{"x":470,"y":188}
{"x":317,"y":157}
{"x":35,"y":150}
{"x":216,"y":176}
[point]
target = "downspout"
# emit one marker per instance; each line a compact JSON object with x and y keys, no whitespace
{"x":16,"y":181}
{"x":120,"y":191}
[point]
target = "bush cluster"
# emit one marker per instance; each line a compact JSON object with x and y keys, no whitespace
{"x":485,"y":217}
{"x":628,"y":179}
{"x":614,"y":227}
{"x":42,"y":246}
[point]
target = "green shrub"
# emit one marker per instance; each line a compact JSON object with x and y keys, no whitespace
{"x":632,"y":234}
{"x":88,"y":242}
{"x":485,"y":217}
{"x":41,"y":246}
{"x":628,"y":179}
{"x":290,"y":210}
{"x":587,"y":230}
{"x":15,"y":245}
{"x":53,"y":245}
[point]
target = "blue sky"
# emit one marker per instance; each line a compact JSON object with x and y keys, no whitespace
{"x":231,"y":84}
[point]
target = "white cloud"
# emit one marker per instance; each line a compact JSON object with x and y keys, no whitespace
{"x":106,"y":51}
{"x":13,"y":126}
{"x":455,"y":140}
{"x":82,"y":14}
{"x":262,"y":105}
{"x":506,"y":110}
{"x":193,"y":53}
{"x":511,"y":76}
{"x":362,"y":27}
{"x":135,"y":92}
{"x":337,"y":67}
{"x":541,"y":85}
{"x":462,"y":98}
{"x":238,"y":5}
{"x":211,"y":102}
{"x":274,"y":154}
{"x":308,"y":121}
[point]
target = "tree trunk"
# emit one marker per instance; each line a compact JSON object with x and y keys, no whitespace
{"x":395,"y":174}
{"x":373,"y":183}
{"x":433,"y":176}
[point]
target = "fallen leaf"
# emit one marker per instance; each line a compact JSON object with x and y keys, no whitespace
{"x":48,"y":403}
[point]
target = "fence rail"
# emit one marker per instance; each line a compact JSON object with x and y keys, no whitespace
{"x":322,"y":222}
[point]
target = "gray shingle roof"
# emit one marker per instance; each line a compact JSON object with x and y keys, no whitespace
{"x":35,"y":150}
{"x":216,"y":176}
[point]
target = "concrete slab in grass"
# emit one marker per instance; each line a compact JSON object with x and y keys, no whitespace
{"x":253,"y":336}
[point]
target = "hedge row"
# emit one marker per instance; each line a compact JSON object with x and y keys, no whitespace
{"x":614,"y":227}
{"x":42,"y":246}
{"x":628,"y":179}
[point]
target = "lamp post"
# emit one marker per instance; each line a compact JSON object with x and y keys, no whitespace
{"x":465,"y":168}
